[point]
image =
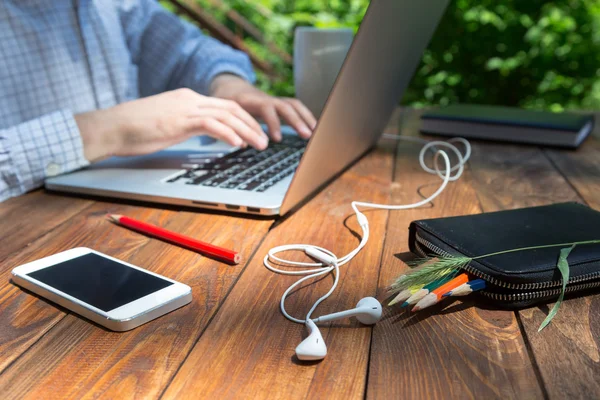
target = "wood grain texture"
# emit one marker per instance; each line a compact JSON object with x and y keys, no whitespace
{"x":572,"y":341}
{"x":567,"y":351}
{"x":28,"y":217}
{"x":137,"y":363}
{"x":24,"y":318}
{"x":28,"y":317}
{"x":233,"y":342}
{"x":248,"y":349}
{"x":454,"y":349}
{"x":511,"y":176}
{"x":582,"y":169}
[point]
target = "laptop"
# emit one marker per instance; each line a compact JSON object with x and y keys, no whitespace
{"x":378,"y":68}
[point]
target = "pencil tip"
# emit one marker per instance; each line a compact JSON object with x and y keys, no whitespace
{"x":405,"y":304}
{"x":415,"y":309}
{"x":114,"y":217}
{"x":447,"y":294}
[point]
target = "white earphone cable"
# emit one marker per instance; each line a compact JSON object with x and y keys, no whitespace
{"x":318,"y":269}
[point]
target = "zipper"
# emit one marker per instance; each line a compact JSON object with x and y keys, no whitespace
{"x":537,"y":295}
{"x":421,"y":243}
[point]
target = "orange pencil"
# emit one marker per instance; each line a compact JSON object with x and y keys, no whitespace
{"x":435,"y":296}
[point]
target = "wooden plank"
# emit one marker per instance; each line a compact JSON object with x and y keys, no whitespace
{"x":566,"y":351}
{"x":25,"y":317}
{"x":455,"y":349}
{"x":248,"y":349}
{"x":99,"y":363}
{"x":30,"y":216}
{"x":511,"y":176}
{"x":581,"y":168}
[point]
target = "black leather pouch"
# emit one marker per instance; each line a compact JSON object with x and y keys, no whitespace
{"x":522,"y":278}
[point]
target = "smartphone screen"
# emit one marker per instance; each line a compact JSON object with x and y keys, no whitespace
{"x":99,"y":281}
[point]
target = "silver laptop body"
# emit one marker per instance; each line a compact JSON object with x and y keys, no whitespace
{"x":377,"y":70}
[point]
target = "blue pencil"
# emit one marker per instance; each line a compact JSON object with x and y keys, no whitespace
{"x":467,"y":288}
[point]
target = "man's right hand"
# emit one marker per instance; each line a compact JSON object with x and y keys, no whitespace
{"x":153,"y":123}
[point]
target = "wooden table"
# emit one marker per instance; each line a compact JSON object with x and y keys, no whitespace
{"x":233,"y":342}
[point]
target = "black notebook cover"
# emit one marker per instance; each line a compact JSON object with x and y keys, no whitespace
{"x":478,"y":234}
{"x":510,"y":116}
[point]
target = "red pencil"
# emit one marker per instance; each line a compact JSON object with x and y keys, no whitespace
{"x":179,"y":239}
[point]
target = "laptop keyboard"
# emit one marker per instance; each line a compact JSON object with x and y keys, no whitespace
{"x":249,"y":169}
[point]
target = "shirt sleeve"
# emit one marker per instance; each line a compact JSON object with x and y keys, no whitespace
{"x":34,"y":150}
{"x":171,"y":53}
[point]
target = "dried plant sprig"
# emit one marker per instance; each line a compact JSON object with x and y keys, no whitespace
{"x":430,"y":269}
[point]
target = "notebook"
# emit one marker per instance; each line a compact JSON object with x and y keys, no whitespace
{"x":508,"y":125}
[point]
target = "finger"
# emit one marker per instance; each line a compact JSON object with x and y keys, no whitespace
{"x":257,"y":140}
{"x":235,"y":108}
{"x":291,"y":116}
{"x":271,"y":118}
{"x":214,"y":128}
{"x":250,"y":121}
{"x":304,"y":112}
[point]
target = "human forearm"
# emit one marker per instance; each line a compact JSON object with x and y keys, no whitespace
{"x":101,"y":132}
{"x":225,"y":85}
{"x":153,"y":123}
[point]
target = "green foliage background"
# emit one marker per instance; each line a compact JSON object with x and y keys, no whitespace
{"x":529,"y":53}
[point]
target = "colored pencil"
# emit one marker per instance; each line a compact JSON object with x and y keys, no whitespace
{"x":467,"y":288}
{"x":435,"y":296}
{"x":178,"y":239}
{"x":404,"y":294}
{"x":419,"y":294}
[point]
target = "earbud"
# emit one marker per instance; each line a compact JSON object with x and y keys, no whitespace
{"x":313,"y":347}
{"x":367,"y":311}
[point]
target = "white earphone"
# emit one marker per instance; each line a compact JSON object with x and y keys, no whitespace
{"x":368,"y":310}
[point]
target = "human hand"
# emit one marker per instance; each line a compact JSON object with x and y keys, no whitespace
{"x":153,"y":123}
{"x":266,"y":107}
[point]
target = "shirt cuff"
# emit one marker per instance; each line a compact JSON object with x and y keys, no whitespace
{"x":45,"y":147}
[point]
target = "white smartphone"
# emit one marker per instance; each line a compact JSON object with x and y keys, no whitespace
{"x":110,"y":292}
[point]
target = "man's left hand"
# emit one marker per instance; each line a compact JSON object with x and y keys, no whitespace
{"x":268,"y":108}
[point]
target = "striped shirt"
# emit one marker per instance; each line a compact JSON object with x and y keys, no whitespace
{"x":63,"y":57}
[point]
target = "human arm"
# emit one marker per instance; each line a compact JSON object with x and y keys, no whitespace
{"x":61,"y":142}
{"x":171,"y":53}
{"x":156,"y":122}
{"x":152,"y":123}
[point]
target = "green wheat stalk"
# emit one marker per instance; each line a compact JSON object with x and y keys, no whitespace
{"x":429,"y":269}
